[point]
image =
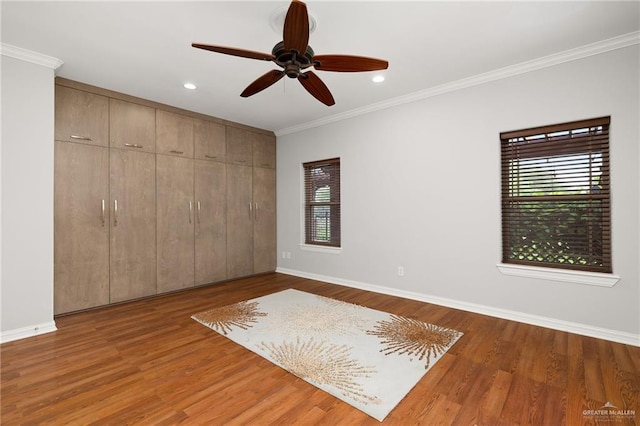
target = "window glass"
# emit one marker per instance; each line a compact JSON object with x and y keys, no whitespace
{"x":555,"y":196}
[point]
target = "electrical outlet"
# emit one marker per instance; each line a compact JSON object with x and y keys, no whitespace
{"x":284,"y":254}
{"x":400,"y":271}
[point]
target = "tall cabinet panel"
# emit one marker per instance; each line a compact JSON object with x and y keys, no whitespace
{"x":81,"y":227}
{"x":264,"y":199}
{"x":211,"y":223}
{"x":133,"y":225}
{"x":239,"y":221}
{"x":175,"y":220}
{"x":264,"y":223}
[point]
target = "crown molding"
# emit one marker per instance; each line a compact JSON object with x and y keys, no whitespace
{"x":593,"y":49}
{"x":30,"y":56}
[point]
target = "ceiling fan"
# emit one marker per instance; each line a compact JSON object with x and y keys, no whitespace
{"x":294,"y":55}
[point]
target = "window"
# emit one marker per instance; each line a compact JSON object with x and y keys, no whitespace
{"x":322,"y":202}
{"x":555,"y":196}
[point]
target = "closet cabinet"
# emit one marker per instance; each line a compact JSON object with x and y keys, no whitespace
{"x":264,"y":150}
{"x":251,"y":206}
{"x":174,"y":134}
{"x":191,"y":222}
{"x":132,"y":225}
{"x":132,"y":126}
{"x":209,"y":140}
{"x":210,"y":188}
{"x":239,"y":143}
{"x":239,"y":220}
{"x":175,"y":216}
{"x":81,"y":226}
{"x":103,"y":196}
{"x":264,"y":220}
{"x":149,"y":199}
{"x":250,"y":148}
{"x":81,"y":117}
{"x":264,"y":198}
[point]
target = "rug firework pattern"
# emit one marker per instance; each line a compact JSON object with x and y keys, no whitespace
{"x":414,"y":338}
{"x":329,"y":317}
{"x":367,"y":358}
{"x":324,"y":364}
{"x":222,"y":319}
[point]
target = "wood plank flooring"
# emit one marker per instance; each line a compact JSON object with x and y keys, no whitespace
{"x":148,"y":363}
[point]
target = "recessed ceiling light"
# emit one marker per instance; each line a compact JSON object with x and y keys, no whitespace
{"x":190,"y":86}
{"x":378,"y":79}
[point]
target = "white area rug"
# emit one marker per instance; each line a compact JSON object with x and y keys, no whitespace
{"x":367,"y":358}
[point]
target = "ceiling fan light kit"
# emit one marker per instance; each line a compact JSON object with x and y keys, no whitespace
{"x":294,"y":55}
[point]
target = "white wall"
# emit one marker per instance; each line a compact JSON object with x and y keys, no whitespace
{"x":421,"y":189}
{"x":26,"y":286}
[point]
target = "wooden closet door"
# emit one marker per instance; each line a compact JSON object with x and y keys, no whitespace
{"x":264,"y":150}
{"x":264,"y":224}
{"x":133,"y":227}
{"x":239,"y":146}
{"x":81,"y":117}
{"x":174,"y":134}
{"x":239,"y":221}
{"x":211,"y":222}
{"x":81,"y":227}
{"x":175,"y":216}
{"x":132,"y":126}
{"x":209,"y":140}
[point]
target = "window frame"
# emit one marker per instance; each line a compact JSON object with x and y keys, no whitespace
{"x":333,"y":204}
{"x":551,"y":143}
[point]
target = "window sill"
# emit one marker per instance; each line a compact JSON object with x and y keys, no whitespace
{"x":321,"y":249}
{"x":564,"y":275}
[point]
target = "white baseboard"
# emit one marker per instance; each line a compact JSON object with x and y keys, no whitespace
{"x":556,"y":324}
{"x":24,"y":332}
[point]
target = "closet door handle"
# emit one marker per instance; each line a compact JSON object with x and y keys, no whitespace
{"x":213,"y":157}
{"x":103,"y":212}
{"x":80,"y":138}
{"x":255,"y":211}
{"x":250,"y":210}
{"x":115,"y":212}
{"x":198,"y":212}
{"x":190,"y":210}
{"x":173,"y":151}
{"x":133,"y":145}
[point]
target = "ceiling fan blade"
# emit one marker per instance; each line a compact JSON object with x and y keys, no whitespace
{"x":251,"y":54}
{"x":348,"y":63}
{"x":295,"y":33}
{"x":316,"y":87}
{"x":262,"y":83}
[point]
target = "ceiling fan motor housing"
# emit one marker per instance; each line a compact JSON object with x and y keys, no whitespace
{"x":291,"y":61}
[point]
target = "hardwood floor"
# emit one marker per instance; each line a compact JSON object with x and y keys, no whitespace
{"x":147,"y":362}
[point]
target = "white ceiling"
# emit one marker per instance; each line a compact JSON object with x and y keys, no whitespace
{"x":144,"y":48}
